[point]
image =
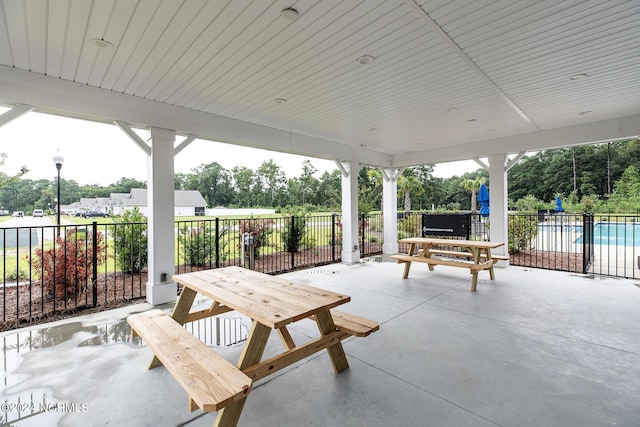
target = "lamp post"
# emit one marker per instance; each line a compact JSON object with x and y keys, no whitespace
{"x":58,"y":160}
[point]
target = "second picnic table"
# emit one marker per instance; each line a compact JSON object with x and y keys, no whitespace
{"x":471,"y":254}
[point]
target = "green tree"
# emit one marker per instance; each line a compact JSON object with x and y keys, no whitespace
{"x":330,"y":190}
{"x":213,"y":182}
{"x":309,"y":184}
{"x":626,"y":195}
{"x":243,"y":179}
{"x":472,"y":186}
{"x":408,"y":185}
{"x":273,"y":179}
{"x":7,"y":179}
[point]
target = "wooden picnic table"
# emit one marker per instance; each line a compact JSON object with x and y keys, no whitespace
{"x":473,"y":255}
{"x":271,"y":303}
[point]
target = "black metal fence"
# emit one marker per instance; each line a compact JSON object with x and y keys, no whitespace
{"x":607,"y":245}
{"x":550,"y":240}
{"x":52,"y":270}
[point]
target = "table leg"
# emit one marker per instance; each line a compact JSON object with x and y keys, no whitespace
{"x":427,"y":254}
{"x":407,"y":265}
{"x":179,"y":314}
{"x":488,"y":253}
{"x":251,"y":355}
{"x":336,"y":352}
{"x":286,"y":338}
{"x":474,"y":272}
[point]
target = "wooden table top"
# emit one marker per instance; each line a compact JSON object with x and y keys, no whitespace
{"x":452,"y":242}
{"x":272,"y":301}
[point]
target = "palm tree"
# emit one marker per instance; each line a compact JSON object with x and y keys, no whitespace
{"x":408,"y":185}
{"x":472,"y":186}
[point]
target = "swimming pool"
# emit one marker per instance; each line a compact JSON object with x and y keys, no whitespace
{"x":615,"y":234}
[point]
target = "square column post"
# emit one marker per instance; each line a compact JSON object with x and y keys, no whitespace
{"x":350,"y":247}
{"x":498,"y":231}
{"x":160,"y":198}
{"x":390,"y":211}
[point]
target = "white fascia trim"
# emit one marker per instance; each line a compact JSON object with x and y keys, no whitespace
{"x":70,"y":99}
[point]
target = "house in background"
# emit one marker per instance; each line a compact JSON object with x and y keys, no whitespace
{"x":186,"y":203}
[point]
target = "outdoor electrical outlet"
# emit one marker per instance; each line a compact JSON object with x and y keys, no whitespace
{"x":163,"y":277}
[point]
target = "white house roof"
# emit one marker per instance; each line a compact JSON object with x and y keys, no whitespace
{"x":138,"y":197}
{"x":384,"y":82}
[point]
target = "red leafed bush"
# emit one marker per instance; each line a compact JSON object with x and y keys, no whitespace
{"x":66,"y":268}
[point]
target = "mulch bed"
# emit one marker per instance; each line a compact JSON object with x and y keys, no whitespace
{"x":549,"y":260}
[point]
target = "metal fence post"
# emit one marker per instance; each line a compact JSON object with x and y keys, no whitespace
{"x":291,"y":240}
{"x":333,"y":236}
{"x":362,"y":252}
{"x":94,"y":263}
{"x":217,"y":240}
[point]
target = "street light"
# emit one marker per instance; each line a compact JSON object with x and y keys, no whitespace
{"x":58,"y":160}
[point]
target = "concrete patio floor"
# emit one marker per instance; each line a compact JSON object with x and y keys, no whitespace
{"x":532,"y":348}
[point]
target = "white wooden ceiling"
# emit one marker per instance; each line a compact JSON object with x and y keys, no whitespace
{"x":449,"y":80}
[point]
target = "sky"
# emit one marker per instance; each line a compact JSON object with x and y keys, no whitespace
{"x":97,"y":153}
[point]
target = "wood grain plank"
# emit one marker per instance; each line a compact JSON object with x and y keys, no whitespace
{"x":211,"y":382}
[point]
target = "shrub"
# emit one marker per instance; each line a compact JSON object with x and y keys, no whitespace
{"x":521,"y":229}
{"x":309,"y":242}
{"x":410,"y":226}
{"x":12,"y":276}
{"x":199,"y":244}
{"x":130,"y":241}
{"x":66,"y":267}
{"x":294,"y":230}
{"x":258,"y":228}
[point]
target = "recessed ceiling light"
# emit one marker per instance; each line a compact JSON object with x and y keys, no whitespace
{"x":471,"y":120}
{"x":450,"y":109}
{"x":491,"y":130}
{"x":279,"y":100}
{"x":365,"y":60}
{"x":584,"y":113}
{"x":578,"y":77}
{"x":101,"y":43}
{"x":289,"y":14}
{"x":363,"y":145}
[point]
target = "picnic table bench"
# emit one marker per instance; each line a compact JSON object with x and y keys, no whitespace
{"x":272,"y":303}
{"x":473,"y":255}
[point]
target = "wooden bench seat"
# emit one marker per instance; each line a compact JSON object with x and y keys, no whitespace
{"x":354,"y":325}
{"x":211,"y":382}
{"x":465,"y":254}
{"x":439,"y":261}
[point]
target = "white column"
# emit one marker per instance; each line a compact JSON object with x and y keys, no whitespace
{"x":350,"y":246}
{"x":160,"y":199}
{"x":390,"y":211}
{"x":498,"y":230}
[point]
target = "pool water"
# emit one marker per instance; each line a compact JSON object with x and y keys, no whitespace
{"x":615,"y":234}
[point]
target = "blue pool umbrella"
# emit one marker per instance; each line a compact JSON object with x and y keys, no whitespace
{"x":559,"y":207}
{"x":483,"y":198}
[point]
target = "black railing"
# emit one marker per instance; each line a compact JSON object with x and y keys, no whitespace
{"x":275,"y":245}
{"x":606,"y":245}
{"x":104,"y":265}
{"x":547,"y":240}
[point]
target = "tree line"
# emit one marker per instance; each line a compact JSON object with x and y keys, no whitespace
{"x":592,"y":177}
